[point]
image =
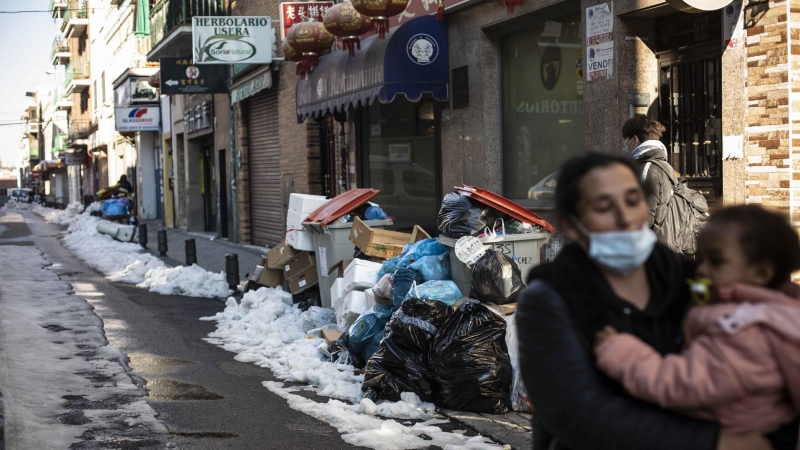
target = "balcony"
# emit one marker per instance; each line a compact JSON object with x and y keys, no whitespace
{"x":77,"y":76}
{"x":171,"y":25}
{"x":79,"y":131}
{"x":76,"y":19}
{"x":32,"y":128}
{"x":61,"y":145}
{"x":60,"y":54}
{"x":57,"y":8}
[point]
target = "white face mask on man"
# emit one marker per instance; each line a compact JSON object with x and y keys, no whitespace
{"x":621,"y":252}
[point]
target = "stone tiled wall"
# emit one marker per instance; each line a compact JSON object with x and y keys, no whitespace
{"x":794,"y":79}
{"x":768,"y":149}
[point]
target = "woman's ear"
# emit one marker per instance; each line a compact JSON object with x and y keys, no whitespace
{"x":763,"y":273}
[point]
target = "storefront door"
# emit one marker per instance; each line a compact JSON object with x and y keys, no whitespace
{"x":399,"y":154}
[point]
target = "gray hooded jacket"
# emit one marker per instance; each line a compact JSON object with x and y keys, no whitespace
{"x":651,"y":158}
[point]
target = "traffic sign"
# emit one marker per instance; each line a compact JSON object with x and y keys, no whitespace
{"x":182,"y":76}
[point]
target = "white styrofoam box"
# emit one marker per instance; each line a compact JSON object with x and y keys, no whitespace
{"x":294,"y":220}
{"x":351,"y":309}
{"x":337,"y":293}
{"x":370,"y":298}
{"x":361,"y":275}
{"x":300,"y":240}
{"x":305,"y":204}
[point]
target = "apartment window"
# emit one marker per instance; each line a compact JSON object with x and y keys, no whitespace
{"x":95,"y":94}
{"x":103,"y":82}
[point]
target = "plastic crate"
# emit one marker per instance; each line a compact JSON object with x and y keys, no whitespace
{"x":525,"y":247}
{"x":331,"y":245}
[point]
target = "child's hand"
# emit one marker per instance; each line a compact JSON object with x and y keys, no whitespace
{"x":604,"y":334}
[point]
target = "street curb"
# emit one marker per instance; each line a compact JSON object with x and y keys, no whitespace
{"x":510,"y":436}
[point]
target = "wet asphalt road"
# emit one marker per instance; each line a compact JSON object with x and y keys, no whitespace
{"x":204,"y":397}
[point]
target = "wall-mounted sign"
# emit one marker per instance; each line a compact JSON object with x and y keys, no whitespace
{"x":73,"y":159}
{"x":293,"y":12}
{"x":197,"y":117}
{"x":400,"y":153}
{"x":144,"y":118}
{"x":135,"y":90}
{"x":600,"y":41}
{"x":182,"y":76}
{"x":232,"y":39}
{"x":251,"y":87}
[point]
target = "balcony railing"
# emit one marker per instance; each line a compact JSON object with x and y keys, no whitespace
{"x":167,"y":15}
{"x":77,"y":69}
{"x":75,"y":10}
{"x":60,"y":45}
{"x":61,"y":144}
{"x":78,"y":129}
{"x":57,"y":8}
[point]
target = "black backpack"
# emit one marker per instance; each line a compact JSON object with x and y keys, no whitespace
{"x":686,"y":213}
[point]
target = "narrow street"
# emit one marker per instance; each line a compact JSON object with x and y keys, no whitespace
{"x":203,"y":397}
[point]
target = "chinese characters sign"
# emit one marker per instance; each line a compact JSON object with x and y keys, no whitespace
{"x":182,"y":76}
{"x":599,"y":41}
{"x":293,"y":12}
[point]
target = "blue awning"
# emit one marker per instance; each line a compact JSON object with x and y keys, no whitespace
{"x":413,"y":60}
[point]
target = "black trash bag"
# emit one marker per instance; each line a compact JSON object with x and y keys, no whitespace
{"x":460,"y":216}
{"x":342,"y":353}
{"x":470,"y":362}
{"x":496,"y":278}
{"x":401,"y":362}
{"x":307,"y":299}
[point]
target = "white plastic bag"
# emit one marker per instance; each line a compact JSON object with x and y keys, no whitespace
{"x":520,"y":401}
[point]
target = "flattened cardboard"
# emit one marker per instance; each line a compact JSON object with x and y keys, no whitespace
{"x":271,"y":278}
{"x":330,"y":336}
{"x":279,"y":255}
{"x":299,"y":263}
{"x":303,"y":280}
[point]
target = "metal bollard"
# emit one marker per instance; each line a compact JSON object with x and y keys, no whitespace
{"x":232,"y":270}
{"x":191,"y":252}
{"x":162,"y":242}
{"x":143,"y":235}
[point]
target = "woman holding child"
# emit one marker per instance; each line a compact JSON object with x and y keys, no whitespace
{"x":616,"y":288}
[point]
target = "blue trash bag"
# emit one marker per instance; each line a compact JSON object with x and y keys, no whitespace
{"x":444,"y":291}
{"x":374,"y":212}
{"x":403,"y":279}
{"x":107,"y":203}
{"x":420,"y":249}
{"x":367,"y":328}
{"x":433,"y":267}
{"x":114,"y":209}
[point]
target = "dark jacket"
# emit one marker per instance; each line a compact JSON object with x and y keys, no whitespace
{"x":573,"y":400}
{"x":651,"y":159}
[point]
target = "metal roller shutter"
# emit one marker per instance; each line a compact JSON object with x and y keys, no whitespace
{"x":266,"y":209}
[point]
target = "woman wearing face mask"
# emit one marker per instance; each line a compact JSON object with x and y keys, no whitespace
{"x":613,"y":273}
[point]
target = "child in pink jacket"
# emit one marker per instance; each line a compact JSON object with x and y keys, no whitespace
{"x":741,"y":361}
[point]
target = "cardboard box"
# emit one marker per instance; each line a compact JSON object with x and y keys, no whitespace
{"x":306,"y":204}
{"x":303,"y":280}
{"x":382,"y":243}
{"x":280,"y":255}
{"x":299,"y":263}
{"x":330,"y":336}
{"x":271,"y":278}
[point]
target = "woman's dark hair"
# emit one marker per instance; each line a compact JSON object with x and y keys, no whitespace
{"x":568,"y":189}
{"x":123,"y":178}
{"x":643,"y":128}
{"x":765,"y":237}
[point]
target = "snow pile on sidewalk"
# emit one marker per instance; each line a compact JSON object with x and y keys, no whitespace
{"x":19,"y":206}
{"x":125,"y":261}
{"x":268,"y":332}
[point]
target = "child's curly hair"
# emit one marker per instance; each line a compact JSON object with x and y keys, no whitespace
{"x":765,"y":237}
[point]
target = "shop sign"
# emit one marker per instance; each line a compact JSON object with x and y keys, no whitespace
{"x":732,"y":25}
{"x":399,"y":153}
{"x":197,"y":117}
{"x":599,"y":42}
{"x":137,"y":118}
{"x":182,"y":76}
{"x":73,"y":159}
{"x":135,"y":90}
{"x":293,"y":12}
{"x":422,"y":49}
{"x":251,"y":87}
{"x":232,"y":39}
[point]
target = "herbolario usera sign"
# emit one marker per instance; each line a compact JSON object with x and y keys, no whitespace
{"x":232,"y":40}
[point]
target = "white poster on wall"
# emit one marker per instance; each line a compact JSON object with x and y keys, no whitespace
{"x":599,"y":23}
{"x":600,"y":61}
{"x":732,"y":25}
{"x":400,"y":153}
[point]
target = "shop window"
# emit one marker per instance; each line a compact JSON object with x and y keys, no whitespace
{"x":419,"y":184}
{"x":542,"y":88}
{"x":383,"y":180}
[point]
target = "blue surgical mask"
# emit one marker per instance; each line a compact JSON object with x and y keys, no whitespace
{"x":621,"y":252}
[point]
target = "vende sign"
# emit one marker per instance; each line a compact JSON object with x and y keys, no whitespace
{"x":293,"y":12}
{"x":137,"y":119}
{"x":232,"y":40}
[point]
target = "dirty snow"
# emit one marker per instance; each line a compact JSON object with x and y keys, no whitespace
{"x":12,"y":204}
{"x":127,"y":262}
{"x":72,"y":350}
{"x":264,"y":330}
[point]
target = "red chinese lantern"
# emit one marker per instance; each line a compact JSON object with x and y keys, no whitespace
{"x":291,"y":55}
{"x":380,"y":11}
{"x":344,"y":21}
{"x":310,"y":39}
{"x":510,"y":4}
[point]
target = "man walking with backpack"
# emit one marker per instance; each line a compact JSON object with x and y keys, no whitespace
{"x":676,"y":212}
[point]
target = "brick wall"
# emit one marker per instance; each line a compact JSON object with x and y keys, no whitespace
{"x":767,"y":146}
{"x":243,"y":175}
{"x":794,"y":78}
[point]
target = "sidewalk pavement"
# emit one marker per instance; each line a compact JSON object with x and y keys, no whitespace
{"x":512,"y":429}
{"x":210,"y":251}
